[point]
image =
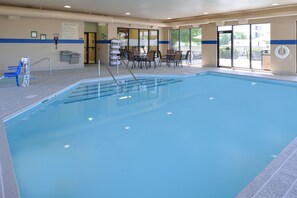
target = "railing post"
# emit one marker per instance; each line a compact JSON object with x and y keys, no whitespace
{"x":99,"y":67}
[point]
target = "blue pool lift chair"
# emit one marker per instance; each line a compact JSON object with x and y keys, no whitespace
{"x":15,"y":73}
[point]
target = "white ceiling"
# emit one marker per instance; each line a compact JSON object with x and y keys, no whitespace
{"x":149,"y":9}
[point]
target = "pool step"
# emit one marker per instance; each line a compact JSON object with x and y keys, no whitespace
{"x":98,"y":90}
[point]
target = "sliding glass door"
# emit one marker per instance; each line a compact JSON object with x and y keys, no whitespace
{"x":244,"y":46}
{"x":225,"y":48}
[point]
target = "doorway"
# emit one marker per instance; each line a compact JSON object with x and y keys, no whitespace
{"x":225,"y":48}
{"x":90,"y":48}
{"x":244,"y":46}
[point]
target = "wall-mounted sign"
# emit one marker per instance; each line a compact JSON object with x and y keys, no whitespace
{"x":69,"y":31}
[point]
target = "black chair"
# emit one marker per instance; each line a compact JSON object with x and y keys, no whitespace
{"x":161,"y":59}
{"x":186,"y":57}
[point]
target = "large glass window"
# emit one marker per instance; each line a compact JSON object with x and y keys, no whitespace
{"x":153,"y":44}
{"x":196,"y":45}
{"x":187,"y":40}
{"x":241,"y":46}
{"x":174,"y":39}
{"x":144,"y":42}
{"x":184,"y":40}
{"x":124,"y":37}
{"x":261,"y":46}
{"x":133,"y":40}
{"x":139,"y":40}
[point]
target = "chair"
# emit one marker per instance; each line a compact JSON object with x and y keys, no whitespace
{"x":161,"y":59}
{"x":136,"y":56}
{"x":170,"y":56}
{"x":150,"y":58}
{"x":177,"y":58}
{"x":131,"y":59}
{"x":186,"y":57}
{"x":15,"y":74}
{"x":170,"y":51}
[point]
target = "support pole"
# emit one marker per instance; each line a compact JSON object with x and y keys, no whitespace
{"x":99,"y":67}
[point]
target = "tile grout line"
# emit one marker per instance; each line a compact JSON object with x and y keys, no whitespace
{"x":270,"y":178}
{"x":295,"y":182}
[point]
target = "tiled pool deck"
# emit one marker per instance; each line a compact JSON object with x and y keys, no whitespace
{"x":277,"y":180}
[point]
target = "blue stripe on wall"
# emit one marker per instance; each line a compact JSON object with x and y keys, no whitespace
{"x":209,"y":42}
{"x":283,"y":42}
{"x":164,"y":42}
{"x":103,"y":41}
{"x":13,"y":40}
{"x":71,"y":41}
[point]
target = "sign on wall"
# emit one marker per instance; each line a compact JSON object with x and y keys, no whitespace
{"x":69,"y":31}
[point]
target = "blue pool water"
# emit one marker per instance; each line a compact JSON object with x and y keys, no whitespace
{"x":204,"y":136}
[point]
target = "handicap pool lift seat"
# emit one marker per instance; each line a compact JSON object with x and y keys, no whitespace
{"x":15,"y":73}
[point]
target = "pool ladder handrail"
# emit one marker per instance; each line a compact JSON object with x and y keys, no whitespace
{"x":49,"y":63}
{"x":131,"y":72}
{"x":113,"y":76}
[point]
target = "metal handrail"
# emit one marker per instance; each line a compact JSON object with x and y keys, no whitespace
{"x":49,"y":64}
{"x":113,"y":76}
{"x":130,"y":72}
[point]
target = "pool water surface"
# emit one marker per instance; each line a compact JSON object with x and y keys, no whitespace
{"x":179,"y":137}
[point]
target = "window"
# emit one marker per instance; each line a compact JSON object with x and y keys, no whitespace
{"x":133,"y":40}
{"x":153,"y":42}
{"x":245,"y":46}
{"x":184,"y":40}
{"x":260,"y":46}
{"x":187,"y":39}
{"x":138,"y":39}
{"x":174,"y":39}
{"x":196,"y":45}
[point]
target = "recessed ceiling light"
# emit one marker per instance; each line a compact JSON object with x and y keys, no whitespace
{"x":169,"y":18}
{"x":127,"y":13}
{"x":275,"y":4}
{"x":67,"y":6}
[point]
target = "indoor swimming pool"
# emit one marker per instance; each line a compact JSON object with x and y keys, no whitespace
{"x":205,"y":135}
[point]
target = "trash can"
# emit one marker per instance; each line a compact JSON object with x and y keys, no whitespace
{"x":74,"y":58}
{"x":65,"y":56}
{"x":265,"y":58}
